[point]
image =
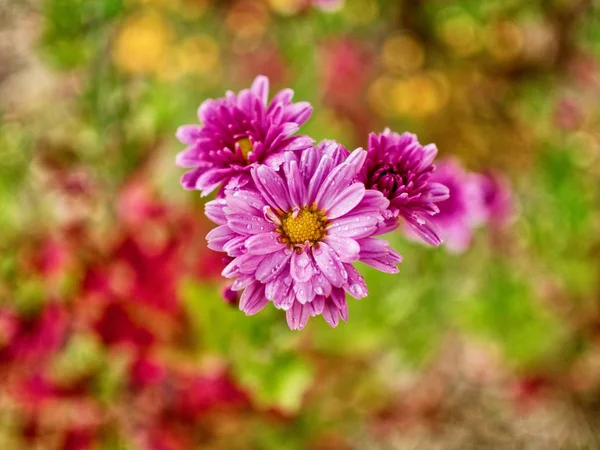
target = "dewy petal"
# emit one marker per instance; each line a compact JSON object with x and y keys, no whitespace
{"x":378,"y":254}
{"x":253,"y":299}
{"x":425,"y":228}
{"x":357,"y":287}
{"x":330,"y":264}
{"x":219,"y":236}
{"x":323,"y":168}
{"x":247,"y":263}
{"x":273,"y":265}
{"x":316,"y":306}
{"x":355,"y":226}
{"x":332,"y":312}
{"x":345,"y":202}
{"x":304,"y":291}
{"x":356,"y":160}
{"x":347,"y":249}
{"x":301,"y":267}
{"x":277,"y":290}
{"x":265,"y":243}
{"x":249,"y":225}
{"x":295,"y":184}
{"x":245,"y":202}
{"x":214,"y":211}
{"x":297,"y":316}
{"x":272,"y":187}
{"x":321,"y":285}
{"x":340,"y":177}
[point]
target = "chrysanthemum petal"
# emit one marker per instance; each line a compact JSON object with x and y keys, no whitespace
{"x":346,"y":248}
{"x":253,"y":299}
{"x":301,"y":267}
{"x":345,"y":202}
{"x":264,"y":243}
{"x":273,"y":265}
{"x":330,"y":264}
{"x":272,"y":187}
{"x":297,"y":316}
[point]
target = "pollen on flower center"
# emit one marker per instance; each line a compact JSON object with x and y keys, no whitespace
{"x":299,"y":226}
{"x":245,"y":146}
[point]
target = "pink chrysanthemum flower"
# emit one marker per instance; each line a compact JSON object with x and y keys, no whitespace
{"x":498,"y":200}
{"x":238,"y":131}
{"x":293,"y":238}
{"x":465,"y":210}
{"x":401,"y":169}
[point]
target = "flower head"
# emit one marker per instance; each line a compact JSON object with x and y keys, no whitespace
{"x":401,"y":169}
{"x":465,"y":209}
{"x":294,"y":236}
{"x":238,"y":131}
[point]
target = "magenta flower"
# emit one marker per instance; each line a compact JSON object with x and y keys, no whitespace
{"x":465,"y":210}
{"x":498,"y":201}
{"x":401,"y":169}
{"x":238,"y":131}
{"x":294,"y":237}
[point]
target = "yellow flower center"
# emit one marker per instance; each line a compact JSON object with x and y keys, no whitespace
{"x":307,"y":224}
{"x":245,"y":146}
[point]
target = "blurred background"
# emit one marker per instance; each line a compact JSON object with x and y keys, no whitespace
{"x":113,"y":332}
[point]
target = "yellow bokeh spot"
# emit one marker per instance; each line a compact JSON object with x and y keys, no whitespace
{"x":248,"y":19}
{"x":459,"y":31}
{"x":421,"y":95}
{"x":504,"y":41}
{"x":286,"y":7}
{"x":402,"y":53}
{"x":360,"y":11}
{"x":195,"y":55}
{"x":378,"y":95}
{"x":141,"y":43}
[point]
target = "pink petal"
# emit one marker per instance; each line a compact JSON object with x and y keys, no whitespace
{"x":345,"y":202}
{"x":324,"y":167}
{"x":301,"y":266}
{"x":304,"y":291}
{"x":347,"y":249}
{"x":295,"y":184}
{"x":272,"y":187}
{"x":260,"y":88}
{"x":264,"y":243}
{"x":219,"y":236}
{"x":247,"y":224}
{"x":189,"y":134}
{"x":297,"y":316}
{"x":253,"y":299}
{"x":357,"y":287}
{"x":273,"y":265}
{"x":330,"y":264}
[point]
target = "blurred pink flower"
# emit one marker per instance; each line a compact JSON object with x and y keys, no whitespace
{"x":460,"y":214}
{"x":498,"y":199}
